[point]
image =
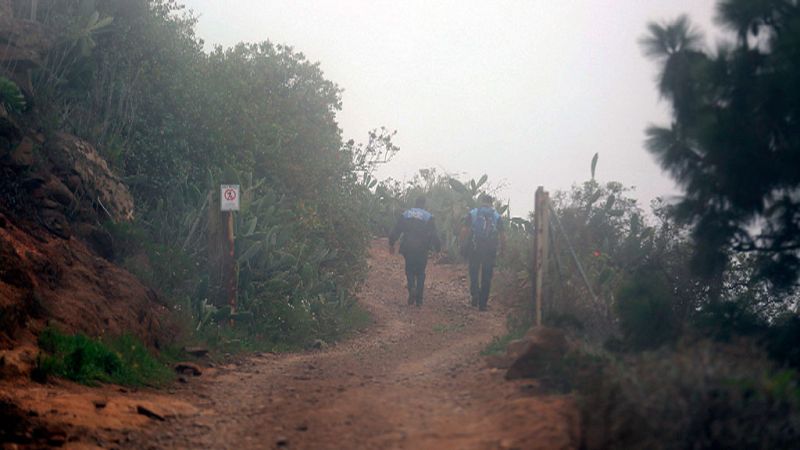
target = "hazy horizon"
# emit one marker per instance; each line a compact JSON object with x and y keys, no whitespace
{"x":525,"y":92}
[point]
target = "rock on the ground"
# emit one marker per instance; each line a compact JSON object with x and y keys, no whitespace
{"x":147,"y":412}
{"x":544,"y":350}
{"x":187,"y":368}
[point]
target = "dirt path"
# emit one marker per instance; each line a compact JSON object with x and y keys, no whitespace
{"x":415,"y":380}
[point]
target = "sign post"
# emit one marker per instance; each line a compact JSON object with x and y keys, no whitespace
{"x":229,"y":202}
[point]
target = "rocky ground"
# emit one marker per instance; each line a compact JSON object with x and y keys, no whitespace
{"x":414,"y":380}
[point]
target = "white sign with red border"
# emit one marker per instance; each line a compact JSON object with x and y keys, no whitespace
{"x":229,"y":197}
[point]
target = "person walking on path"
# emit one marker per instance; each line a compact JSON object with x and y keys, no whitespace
{"x":482,"y":236}
{"x":419,"y":236}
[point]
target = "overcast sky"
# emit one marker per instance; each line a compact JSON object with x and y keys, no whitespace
{"x":525,"y":91}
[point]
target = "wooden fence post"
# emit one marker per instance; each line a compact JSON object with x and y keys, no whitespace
{"x":541,"y":240}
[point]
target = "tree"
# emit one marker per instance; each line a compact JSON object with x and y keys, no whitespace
{"x":734,"y":141}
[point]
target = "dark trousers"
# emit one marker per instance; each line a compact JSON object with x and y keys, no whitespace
{"x":481,"y":268}
{"x":415,"y":275}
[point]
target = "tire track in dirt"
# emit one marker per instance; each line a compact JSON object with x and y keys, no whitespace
{"x":414,"y":380}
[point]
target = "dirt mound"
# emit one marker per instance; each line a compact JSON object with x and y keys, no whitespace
{"x":44,"y":279}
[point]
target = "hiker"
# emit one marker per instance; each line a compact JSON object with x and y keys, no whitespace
{"x":482,"y":236}
{"x":418,"y":229}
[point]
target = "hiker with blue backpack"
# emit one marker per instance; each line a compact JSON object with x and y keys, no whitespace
{"x":419,"y":236}
{"x":482,"y":236}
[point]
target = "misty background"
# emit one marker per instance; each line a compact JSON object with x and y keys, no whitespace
{"x":524,"y":91}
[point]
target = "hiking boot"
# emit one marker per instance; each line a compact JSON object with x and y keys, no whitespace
{"x":419,"y":301}
{"x":483,"y":308}
{"x":474,"y":302}
{"x":410,"y":299}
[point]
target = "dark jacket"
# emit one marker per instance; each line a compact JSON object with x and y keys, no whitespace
{"x":418,"y":230}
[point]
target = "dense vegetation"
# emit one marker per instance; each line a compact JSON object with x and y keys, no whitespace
{"x":687,"y":314}
{"x":733,"y":143}
{"x":132,"y":78}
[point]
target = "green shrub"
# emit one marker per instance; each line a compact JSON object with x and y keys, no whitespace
{"x":123,"y":360}
{"x":644,"y":306}
{"x":703,"y":395}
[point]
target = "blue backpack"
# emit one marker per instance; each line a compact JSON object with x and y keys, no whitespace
{"x":483,"y":222}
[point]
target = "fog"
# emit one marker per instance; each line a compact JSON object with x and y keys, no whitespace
{"x":524,"y":91}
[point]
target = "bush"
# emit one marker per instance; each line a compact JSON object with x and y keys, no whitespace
{"x":644,"y":306}
{"x":123,"y":360}
{"x":702,"y":395}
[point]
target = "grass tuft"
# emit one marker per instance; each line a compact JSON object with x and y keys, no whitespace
{"x":123,"y":360}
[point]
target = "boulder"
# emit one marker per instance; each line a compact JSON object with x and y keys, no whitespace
{"x":517,"y":347}
{"x":543,"y":354}
{"x":81,"y":166}
{"x":187,"y":368}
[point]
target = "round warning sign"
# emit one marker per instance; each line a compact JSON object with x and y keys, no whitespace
{"x":230,"y":194}
{"x":229,"y":197}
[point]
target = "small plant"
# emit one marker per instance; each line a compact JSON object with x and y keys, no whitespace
{"x":645,"y":313}
{"x":123,"y":360}
{"x":10,"y":95}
